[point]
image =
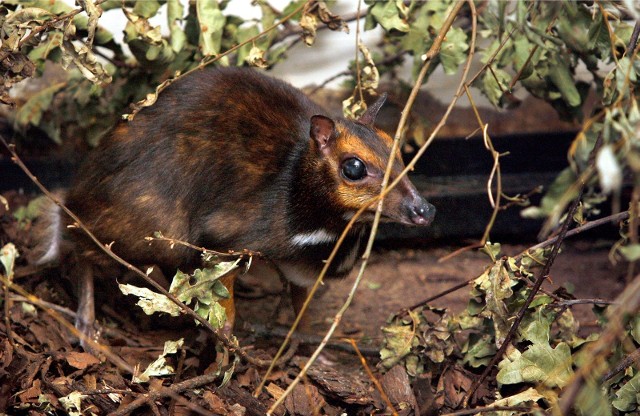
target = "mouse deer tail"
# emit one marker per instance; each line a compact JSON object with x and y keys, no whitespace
{"x":48,"y":232}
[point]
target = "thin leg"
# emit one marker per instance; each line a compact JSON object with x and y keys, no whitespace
{"x":85,"y":315}
{"x":229,"y":305}
{"x":298,"y":297}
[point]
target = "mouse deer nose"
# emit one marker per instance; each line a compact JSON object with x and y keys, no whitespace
{"x":421,"y":212}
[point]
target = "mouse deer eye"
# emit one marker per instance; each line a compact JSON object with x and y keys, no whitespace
{"x":354,"y":169}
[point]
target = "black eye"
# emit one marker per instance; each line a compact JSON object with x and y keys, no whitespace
{"x":354,"y":169}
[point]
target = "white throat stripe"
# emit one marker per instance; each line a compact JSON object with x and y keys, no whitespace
{"x":312,"y":238}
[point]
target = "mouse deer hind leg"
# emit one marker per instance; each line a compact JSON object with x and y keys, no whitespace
{"x":85,"y":314}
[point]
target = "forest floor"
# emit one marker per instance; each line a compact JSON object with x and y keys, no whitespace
{"x":40,"y":364}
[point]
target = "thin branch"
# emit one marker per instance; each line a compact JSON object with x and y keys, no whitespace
{"x":373,"y":378}
{"x":572,"y":302}
{"x":624,"y":363}
{"x":620,"y":216}
{"x":231,"y":253}
{"x":488,"y":409}
{"x":163,"y":392}
{"x":633,"y":41}
{"x":405,"y":113}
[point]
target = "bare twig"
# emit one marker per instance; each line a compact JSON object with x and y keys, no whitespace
{"x":624,"y":363}
{"x":170,"y":391}
{"x":405,"y":113}
{"x":572,"y":302}
{"x":373,"y":378}
{"x":231,"y":253}
{"x":488,"y":409}
{"x":633,"y":41}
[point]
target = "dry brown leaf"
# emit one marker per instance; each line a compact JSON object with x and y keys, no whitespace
{"x":81,"y":360}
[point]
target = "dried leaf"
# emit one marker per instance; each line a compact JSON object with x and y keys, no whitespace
{"x":160,"y":367}
{"x":8,"y":256}
{"x":308,"y":23}
{"x":72,"y":403}
{"x":333,"y":21}
{"x":85,"y":61}
{"x":256,"y":58}
{"x":150,"y":98}
{"x":150,"y":301}
{"x":94,"y":12}
{"x":319,"y":12}
{"x":81,"y":360}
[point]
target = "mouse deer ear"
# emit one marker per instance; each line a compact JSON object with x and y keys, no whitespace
{"x":369,"y":116}
{"x":323,"y":131}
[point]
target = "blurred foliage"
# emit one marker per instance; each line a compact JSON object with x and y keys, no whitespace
{"x":104,"y":75}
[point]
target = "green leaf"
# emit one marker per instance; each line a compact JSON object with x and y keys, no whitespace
{"x":561,"y":77}
{"x":556,"y":191}
{"x":387,"y":14}
{"x":523,"y":49}
{"x":627,"y":396}
{"x":174,"y":16}
{"x":592,"y":400}
{"x":492,"y":250}
{"x":479,"y":350}
{"x":494,"y":84}
{"x":630,"y":252}
{"x":31,"y":112}
{"x":635,"y":328}
{"x":42,"y":51}
{"x":26,"y":214}
{"x":211,"y":21}
{"x":398,"y":340}
{"x":204,"y":286}
{"x":146,"y":8}
{"x":244,"y":33}
{"x":540,"y":363}
{"x":453,"y":51}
